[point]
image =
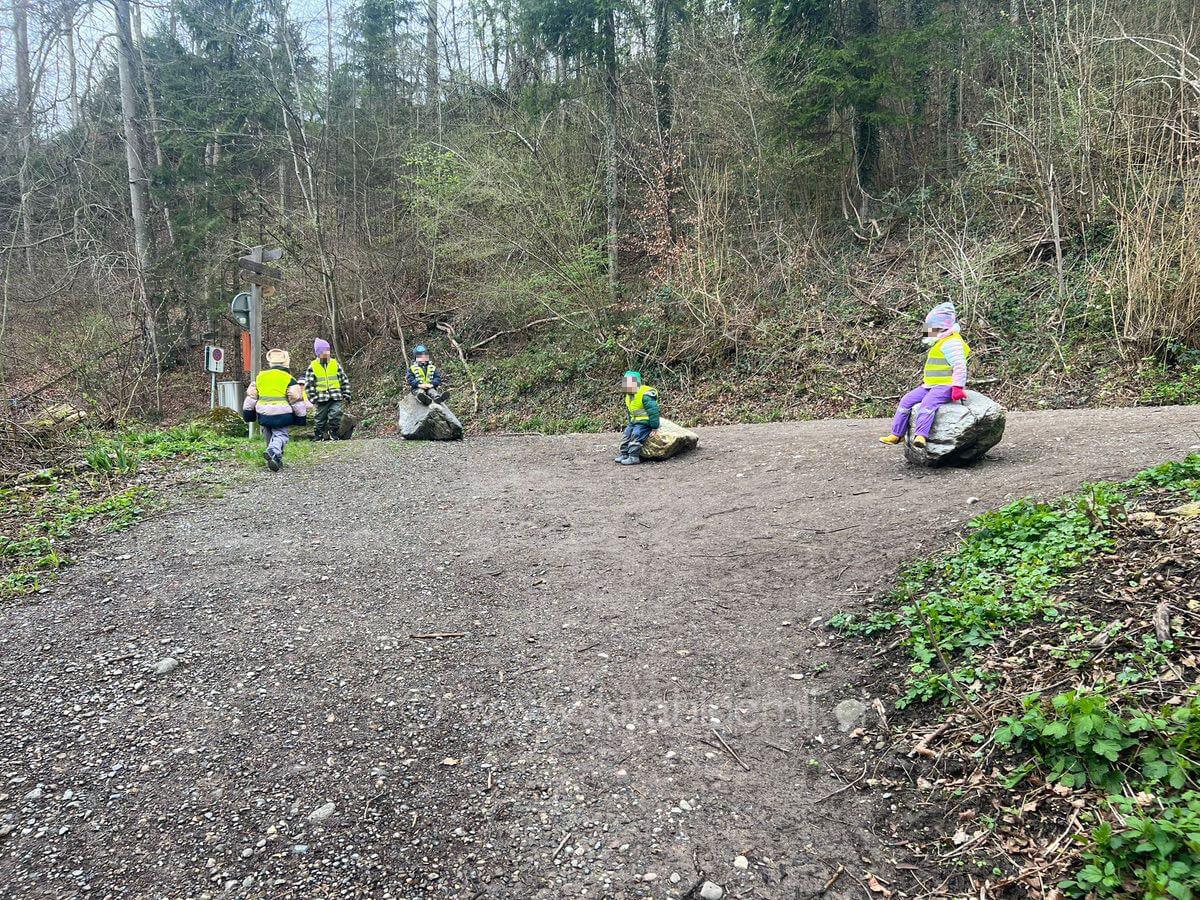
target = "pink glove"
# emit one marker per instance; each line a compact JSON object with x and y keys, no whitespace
{"x":957,"y":393}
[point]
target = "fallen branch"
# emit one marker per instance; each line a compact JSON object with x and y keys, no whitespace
{"x":437,"y":635}
{"x":730,"y":750}
{"x":448,"y":329}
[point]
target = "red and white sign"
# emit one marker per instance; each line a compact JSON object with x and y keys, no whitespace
{"x":214,"y":359}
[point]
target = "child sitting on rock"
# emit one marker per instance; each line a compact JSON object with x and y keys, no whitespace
{"x":945,"y":378}
{"x":641,"y":410}
{"x":425,"y":379}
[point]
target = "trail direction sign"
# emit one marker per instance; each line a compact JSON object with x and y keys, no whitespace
{"x":259,"y":271}
{"x":240,"y":307}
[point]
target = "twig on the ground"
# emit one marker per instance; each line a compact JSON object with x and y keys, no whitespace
{"x":843,"y":788}
{"x":730,"y":750}
{"x":437,"y":635}
{"x":823,"y":889}
{"x":561,"y":844}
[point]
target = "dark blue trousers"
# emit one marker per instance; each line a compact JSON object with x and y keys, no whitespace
{"x":635,"y":435}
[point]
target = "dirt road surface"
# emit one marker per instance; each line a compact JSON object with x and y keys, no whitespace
{"x":637,"y":687}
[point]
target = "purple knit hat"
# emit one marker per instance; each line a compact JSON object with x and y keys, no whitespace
{"x":941,"y":317}
{"x":320,"y":345}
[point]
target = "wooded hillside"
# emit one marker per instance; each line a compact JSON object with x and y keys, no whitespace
{"x":752,"y":202}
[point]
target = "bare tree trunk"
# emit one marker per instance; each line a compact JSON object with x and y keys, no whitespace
{"x":69,"y":16}
{"x":292,"y":108}
{"x":139,"y":189}
{"x":152,"y":112}
{"x":608,"y":27}
{"x":24,"y":121}
{"x":432,"y":87}
{"x":866,"y":131}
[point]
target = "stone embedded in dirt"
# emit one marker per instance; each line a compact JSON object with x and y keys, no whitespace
{"x":322,"y":813}
{"x":962,"y":433}
{"x":165,"y":665}
{"x":223,"y":420}
{"x":670,"y":440}
{"x":35,"y":794}
{"x":710,"y":891}
{"x":849,"y":714}
{"x":741,"y":862}
{"x":427,"y":423}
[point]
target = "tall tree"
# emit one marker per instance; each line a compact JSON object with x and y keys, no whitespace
{"x":586,"y":31}
{"x":139,"y":186}
{"x":24,"y":120}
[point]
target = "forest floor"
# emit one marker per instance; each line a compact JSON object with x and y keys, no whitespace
{"x":499,"y":668}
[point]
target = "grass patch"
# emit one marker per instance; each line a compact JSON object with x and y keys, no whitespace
{"x":53,"y":511}
{"x":46,"y":511}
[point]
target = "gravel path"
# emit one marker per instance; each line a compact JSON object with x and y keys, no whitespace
{"x":229,"y":700}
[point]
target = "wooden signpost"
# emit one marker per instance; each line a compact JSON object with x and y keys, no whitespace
{"x":256,"y":271}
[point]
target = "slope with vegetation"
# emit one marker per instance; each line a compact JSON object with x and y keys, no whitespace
{"x":752,"y":203}
{"x":1053,"y":689}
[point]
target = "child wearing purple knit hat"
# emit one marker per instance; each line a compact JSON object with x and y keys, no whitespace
{"x":328,"y":388}
{"x":945,"y":376}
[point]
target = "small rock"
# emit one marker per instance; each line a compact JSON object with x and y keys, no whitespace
{"x":740,"y":862}
{"x":676,"y":878}
{"x":35,"y":794}
{"x":299,"y":849}
{"x":710,"y":891}
{"x":971,"y":501}
{"x":850,"y":713}
{"x":321,"y":813}
{"x":165,"y":665}
{"x":650,"y":876}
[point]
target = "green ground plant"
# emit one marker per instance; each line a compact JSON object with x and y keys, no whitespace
{"x":47,"y":510}
{"x":1103,"y":736}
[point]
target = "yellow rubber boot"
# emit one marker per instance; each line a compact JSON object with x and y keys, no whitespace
{"x":918,"y":441}
{"x":890,"y":439}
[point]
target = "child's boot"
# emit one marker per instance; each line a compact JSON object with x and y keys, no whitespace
{"x":890,"y":439}
{"x":919,"y":441}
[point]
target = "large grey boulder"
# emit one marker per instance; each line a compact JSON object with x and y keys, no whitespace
{"x":427,"y":423}
{"x":962,"y":433}
{"x":670,"y":440}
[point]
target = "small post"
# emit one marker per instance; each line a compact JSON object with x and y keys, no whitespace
{"x":212,"y":391}
{"x":255,"y":323}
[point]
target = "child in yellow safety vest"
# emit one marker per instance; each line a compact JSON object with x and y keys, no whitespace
{"x":945,"y":376}
{"x":276,"y":401}
{"x":641,"y":408}
{"x":327,"y":387}
{"x":425,"y":379}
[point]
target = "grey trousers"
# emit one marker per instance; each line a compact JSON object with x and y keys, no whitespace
{"x":277,"y":439}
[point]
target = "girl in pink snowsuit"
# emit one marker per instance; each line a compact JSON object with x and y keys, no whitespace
{"x":945,"y":376}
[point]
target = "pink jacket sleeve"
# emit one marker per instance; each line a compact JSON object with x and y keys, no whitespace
{"x":251,"y":397}
{"x":957,"y":357}
{"x":295,"y":395}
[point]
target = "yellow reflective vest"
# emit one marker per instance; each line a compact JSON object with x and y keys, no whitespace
{"x":272,"y":385}
{"x":423,"y":376}
{"x":328,"y":377}
{"x":937,"y":368}
{"x":635,"y":403}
